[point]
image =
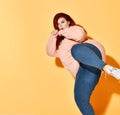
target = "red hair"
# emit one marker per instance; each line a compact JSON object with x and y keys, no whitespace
{"x":67,"y":17}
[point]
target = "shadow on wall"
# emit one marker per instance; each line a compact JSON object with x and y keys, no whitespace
{"x":58,"y":63}
{"x":106,"y":87}
{"x":103,"y":91}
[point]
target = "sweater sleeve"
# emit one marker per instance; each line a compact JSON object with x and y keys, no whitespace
{"x":76,"y":33}
{"x":51,"y":46}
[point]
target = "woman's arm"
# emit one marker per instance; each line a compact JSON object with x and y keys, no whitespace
{"x":76,"y":33}
{"x":51,"y":44}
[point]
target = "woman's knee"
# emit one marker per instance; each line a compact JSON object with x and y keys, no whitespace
{"x":76,"y":49}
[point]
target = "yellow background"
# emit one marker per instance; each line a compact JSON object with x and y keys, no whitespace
{"x":31,"y":83}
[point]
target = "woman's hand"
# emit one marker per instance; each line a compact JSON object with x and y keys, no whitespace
{"x":55,"y":33}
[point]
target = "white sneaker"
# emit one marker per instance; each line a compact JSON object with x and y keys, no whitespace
{"x":115,"y":72}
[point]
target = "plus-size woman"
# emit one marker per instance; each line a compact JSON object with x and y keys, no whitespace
{"x":83,"y":57}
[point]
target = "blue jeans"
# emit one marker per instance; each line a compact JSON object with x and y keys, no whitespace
{"x":88,"y":75}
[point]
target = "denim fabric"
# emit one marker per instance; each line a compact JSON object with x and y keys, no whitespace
{"x":87,"y":54}
{"x":88,"y":75}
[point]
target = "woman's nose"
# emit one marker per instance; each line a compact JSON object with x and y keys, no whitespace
{"x":60,"y":25}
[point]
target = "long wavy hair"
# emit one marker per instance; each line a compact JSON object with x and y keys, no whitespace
{"x":55,"y":24}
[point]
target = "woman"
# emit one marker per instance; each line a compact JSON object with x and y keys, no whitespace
{"x":83,"y":57}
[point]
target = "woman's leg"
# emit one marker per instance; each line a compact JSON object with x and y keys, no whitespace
{"x":84,"y":85}
{"x":88,"y":55}
{"x":88,"y":75}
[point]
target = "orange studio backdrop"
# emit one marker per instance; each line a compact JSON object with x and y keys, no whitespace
{"x":32,"y":83}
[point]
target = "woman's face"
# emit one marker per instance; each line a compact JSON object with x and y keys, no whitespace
{"x":63,"y":23}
